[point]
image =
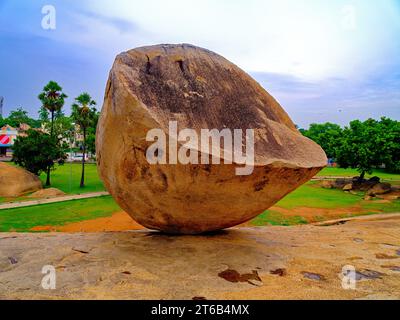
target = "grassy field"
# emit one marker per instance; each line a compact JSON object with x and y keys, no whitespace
{"x":68,"y":176}
{"x":310,"y":195}
{"x":274,"y":218}
{"x":56,"y":214}
{"x":340,"y":172}
{"x":308,"y":203}
{"x":313,"y":203}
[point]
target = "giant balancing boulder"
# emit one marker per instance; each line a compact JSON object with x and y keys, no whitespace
{"x":163,"y":86}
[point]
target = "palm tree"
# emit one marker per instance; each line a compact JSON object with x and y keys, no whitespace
{"x":52,"y":99}
{"x":84,"y":116}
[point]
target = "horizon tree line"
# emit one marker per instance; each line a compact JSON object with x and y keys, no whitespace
{"x":362,"y":145}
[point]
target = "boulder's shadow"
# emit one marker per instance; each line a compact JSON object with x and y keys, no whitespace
{"x":201,"y":258}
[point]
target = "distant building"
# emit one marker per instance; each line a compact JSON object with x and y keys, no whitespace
{"x":7,"y":136}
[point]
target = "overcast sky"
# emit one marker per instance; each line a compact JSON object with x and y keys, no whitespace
{"x":323,"y":60}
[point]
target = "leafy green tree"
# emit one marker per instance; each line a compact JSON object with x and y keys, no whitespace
{"x":29,"y":151}
{"x":389,"y":141}
{"x":43,"y":114}
{"x":84,"y":114}
{"x":17,"y":117}
{"x":53,"y":100}
{"x":360,"y":146}
{"x":61,"y":127}
{"x":91,"y":135}
{"x":327,"y":135}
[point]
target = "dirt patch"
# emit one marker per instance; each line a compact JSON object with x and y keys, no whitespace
{"x":47,"y":193}
{"x":316,"y":214}
{"x":119,"y":221}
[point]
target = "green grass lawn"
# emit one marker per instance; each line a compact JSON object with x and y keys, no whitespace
{"x":68,"y":176}
{"x":56,"y":214}
{"x":274,"y":218}
{"x":340,"y":172}
{"x":311,"y":195}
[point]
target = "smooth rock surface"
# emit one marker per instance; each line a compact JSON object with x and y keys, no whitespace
{"x":150,"y":86}
{"x":15,"y":181}
{"x":300,"y":262}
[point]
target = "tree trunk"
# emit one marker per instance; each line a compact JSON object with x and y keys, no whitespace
{"x":51,"y":135}
{"x":52,"y":124}
{"x":48,"y":177}
{"x":362,"y":175}
{"x":83,"y":159}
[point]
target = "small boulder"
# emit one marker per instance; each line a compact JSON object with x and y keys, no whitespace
{"x":392,"y":197}
{"x":380,"y":188}
{"x":363,"y":184}
{"x":387,"y":196}
{"x":348,"y":187}
{"x":341,"y":182}
{"x":47,"y":193}
{"x":327,"y":184}
{"x":15,"y":181}
{"x":374,"y":179}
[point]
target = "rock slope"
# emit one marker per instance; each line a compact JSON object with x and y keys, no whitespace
{"x":301,"y":262}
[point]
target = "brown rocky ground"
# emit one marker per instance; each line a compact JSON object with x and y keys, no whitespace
{"x":300,"y":262}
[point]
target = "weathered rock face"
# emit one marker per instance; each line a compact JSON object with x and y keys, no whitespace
{"x":150,"y":86}
{"x":16,"y":181}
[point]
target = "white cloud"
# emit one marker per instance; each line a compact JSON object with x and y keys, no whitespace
{"x":310,"y":40}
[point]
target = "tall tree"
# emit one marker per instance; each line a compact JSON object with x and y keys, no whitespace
{"x":84,"y":114}
{"x":52,"y":99}
{"x":389,"y":142}
{"x":361,"y":146}
{"x":28,"y":151}
{"x":91,"y":135}
{"x":61,"y":124}
{"x":327,"y":135}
